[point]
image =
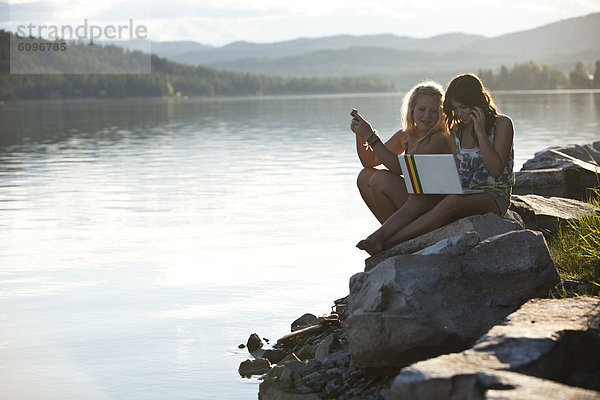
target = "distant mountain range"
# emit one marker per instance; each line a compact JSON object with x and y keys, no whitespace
{"x":401,"y":59}
{"x":187,"y":53}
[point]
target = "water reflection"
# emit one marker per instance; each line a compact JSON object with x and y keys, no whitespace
{"x":547,"y":119}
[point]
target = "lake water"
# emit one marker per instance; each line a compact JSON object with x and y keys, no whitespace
{"x":142,"y":240}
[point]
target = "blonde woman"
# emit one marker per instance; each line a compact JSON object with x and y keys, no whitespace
{"x":425,"y":131}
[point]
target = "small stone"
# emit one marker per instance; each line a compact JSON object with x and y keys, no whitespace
{"x":304,"y":321}
{"x":294,"y":369}
{"x":332,"y":387}
{"x":241,"y":346}
{"x":292,"y":338}
{"x":254,"y":343}
{"x":260,"y":353}
{"x":274,"y":373}
{"x":306,"y":352}
{"x":254,"y":367}
{"x":324,"y":348}
{"x":315,"y":380}
{"x":341,"y":307}
{"x":335,"y":371}
{"x":289,"y":357}
{"x":274,"y":355}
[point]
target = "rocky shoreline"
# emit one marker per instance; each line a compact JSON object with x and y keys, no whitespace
{"x":459,"y":313}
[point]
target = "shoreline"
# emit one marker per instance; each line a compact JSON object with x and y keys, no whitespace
{"x":280,"y":96}
{"x":342,"y":355}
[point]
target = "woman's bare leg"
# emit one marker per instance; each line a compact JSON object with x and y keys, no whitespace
{"x":364,"y":187}
{"x":389,"y":193}
{"x":413,"y":208}
{"x":382,"y":191}
{"x":451,"y":208}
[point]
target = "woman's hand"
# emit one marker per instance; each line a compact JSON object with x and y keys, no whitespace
{"x":360,"y":126}
{"x":478,"y":117}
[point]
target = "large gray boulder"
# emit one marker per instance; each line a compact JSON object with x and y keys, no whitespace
{"x":547,"y":214}
{"x":548,"y":349}
{"x":441,"y":299}
{"x":568,"y":171}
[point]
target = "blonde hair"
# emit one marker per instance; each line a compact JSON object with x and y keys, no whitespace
{"x":425,"y":88}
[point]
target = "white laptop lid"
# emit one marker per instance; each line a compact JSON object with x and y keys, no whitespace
{"x":430,"y":173}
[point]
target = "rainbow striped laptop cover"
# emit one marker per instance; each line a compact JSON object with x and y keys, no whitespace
{"x":430,"y":173}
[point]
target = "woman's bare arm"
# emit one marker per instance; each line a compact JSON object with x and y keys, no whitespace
{"x":386,"y":154}
{"x":495,"y":155}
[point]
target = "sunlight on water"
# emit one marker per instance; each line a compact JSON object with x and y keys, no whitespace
{"x":545,"y":119}
{"x":142,"y":240}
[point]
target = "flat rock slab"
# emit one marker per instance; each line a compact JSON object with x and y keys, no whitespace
{"x":516,"y":359}
{"x":549,"y":159}
{"x":486,"y":226}
{"x":566,"y":171}
{"x":570,"y":182}
{"x":547,"y":214}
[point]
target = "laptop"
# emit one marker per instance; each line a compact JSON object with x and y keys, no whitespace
{"x":431,"y":174}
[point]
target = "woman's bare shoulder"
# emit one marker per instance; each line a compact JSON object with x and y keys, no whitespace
{"x":503,"y":120}
{"x":398,"y":138}
{"x":397,"y":142}
{"x":504,"y":124}
{"x":399,"y":135}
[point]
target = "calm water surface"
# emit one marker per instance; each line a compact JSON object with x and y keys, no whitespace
{"x":142,"y":240}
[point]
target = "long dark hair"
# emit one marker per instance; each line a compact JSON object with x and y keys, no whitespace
{"x":468,"y":89}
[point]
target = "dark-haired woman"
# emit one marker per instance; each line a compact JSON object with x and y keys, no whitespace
{"x":482,"y":142}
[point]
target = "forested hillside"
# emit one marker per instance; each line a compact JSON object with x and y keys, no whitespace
{"x":166,"y":79}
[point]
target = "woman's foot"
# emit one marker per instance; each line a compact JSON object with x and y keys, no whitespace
{"x":371,"y":245}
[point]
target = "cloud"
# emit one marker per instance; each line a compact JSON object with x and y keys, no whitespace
{"x":63,"y":11}
{"x":223,"y":21}
{"x":4,"y":13}
{"x":26,"y":11}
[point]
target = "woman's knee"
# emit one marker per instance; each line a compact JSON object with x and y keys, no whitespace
{"x":385,"y":181}
{"x":378,"y":180}
{"x":364,"y":178}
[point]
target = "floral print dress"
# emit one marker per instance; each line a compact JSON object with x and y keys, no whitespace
{"x":475,"y":176}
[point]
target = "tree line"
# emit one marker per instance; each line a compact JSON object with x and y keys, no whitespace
{"x":171,"y":79}
{"x":529,"y":75}
{"x":166,"y":78}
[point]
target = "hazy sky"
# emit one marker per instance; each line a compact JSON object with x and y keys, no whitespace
{"x":218,"y":22}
